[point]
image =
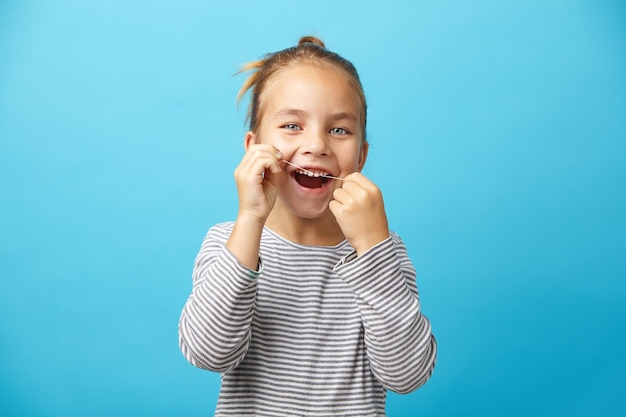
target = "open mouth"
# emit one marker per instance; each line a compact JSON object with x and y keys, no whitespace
{"x":309,"y":179}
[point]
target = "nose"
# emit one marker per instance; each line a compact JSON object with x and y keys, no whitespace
{"x":315,"y":142}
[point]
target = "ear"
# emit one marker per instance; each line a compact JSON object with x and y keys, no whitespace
{"x":363,"y":155}
{"x":249,"y":139}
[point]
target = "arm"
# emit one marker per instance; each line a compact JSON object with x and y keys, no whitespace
{"x":398,"y":338}
{"x":214,"y":327}
{"x":400,"y":345}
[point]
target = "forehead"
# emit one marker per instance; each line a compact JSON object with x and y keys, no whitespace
{"x":303,"y":82}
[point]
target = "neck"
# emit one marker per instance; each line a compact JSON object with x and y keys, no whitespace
{"x":321,"y":231}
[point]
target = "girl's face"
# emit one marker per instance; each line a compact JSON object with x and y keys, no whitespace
{"x":312,"y":115}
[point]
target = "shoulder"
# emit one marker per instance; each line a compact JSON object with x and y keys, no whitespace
{"x":220,"y":231}
{"x":223,"y":226}
{"x":397,"y":240}
{"x":395,"y":237}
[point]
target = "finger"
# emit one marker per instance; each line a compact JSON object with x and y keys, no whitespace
{"x":360,"y":185}
{"x":352,"y":192}
{"x":356,"y":177}
{"x":278,"y":153}
{"x":351,"y":187}
{"x":343,"y":196}
{"x":273,"y":158}
{"x":261,"y":158}
{"x":361,"y":180}
{"x":334,"y":206}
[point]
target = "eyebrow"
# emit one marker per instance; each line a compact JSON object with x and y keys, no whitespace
{"x":345,"y":115}
{"x":291,"y":112}
{"x":337,"y":116}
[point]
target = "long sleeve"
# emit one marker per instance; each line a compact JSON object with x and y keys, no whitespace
{"x":214,"y":327}
{"x":400,"y":345}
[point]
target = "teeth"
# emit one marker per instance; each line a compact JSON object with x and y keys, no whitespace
{"x":313,"y":174}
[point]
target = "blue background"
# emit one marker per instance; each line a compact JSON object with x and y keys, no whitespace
{"x":498,"y":137}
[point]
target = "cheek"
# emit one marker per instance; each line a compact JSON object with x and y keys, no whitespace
{"x":354,"y":157}
{"x":274,"y":139}
{"x":348,"y":165}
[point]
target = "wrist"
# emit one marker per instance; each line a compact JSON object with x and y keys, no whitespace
{"x":250,"y":221}
{"x":244,"y":241}
{"x":364,"y":245}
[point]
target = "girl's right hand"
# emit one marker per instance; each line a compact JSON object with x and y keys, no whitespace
{"x":255,"y":181}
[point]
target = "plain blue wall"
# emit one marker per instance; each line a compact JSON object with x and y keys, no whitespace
{"x":498,"y":134}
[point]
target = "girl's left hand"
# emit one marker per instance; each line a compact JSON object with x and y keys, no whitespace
{"x":359,"y":209}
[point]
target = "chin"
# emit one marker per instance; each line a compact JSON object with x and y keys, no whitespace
{"x":310,"y":210}
{"x":312,"y":213}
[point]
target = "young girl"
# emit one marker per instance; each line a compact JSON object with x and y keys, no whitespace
{"x":307,"y":303}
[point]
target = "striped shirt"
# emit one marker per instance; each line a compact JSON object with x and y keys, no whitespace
{"x":317,"y":331}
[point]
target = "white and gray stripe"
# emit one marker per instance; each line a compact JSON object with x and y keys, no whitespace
{"x":318,"y":332}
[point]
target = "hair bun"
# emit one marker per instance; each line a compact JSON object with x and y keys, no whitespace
{"x":311,"y":39}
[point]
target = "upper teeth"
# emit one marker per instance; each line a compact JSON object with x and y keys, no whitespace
{"x":312,"y":174}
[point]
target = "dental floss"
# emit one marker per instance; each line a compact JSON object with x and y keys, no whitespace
{"x":312,"y":173}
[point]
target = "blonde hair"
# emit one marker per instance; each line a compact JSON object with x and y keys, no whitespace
{"x":309,"y":50}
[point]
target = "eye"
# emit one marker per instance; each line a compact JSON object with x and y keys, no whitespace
{"x":291,"y":126}
{"x":338,"y":131}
